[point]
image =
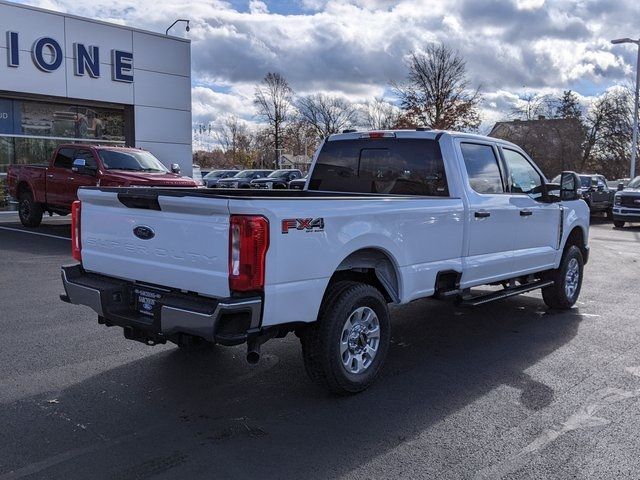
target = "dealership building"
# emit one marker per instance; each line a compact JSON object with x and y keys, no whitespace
{"x":69,"y":79}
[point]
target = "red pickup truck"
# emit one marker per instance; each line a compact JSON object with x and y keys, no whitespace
{"x":53,"y":188}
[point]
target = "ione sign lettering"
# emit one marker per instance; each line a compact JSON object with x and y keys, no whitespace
{"x":48,"y":56}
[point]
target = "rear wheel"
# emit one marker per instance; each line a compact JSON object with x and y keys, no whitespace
{"x":29,"y":211}
{"x":567,"y":281}
{"x":618,"y":223}
{"x":344,"y":351}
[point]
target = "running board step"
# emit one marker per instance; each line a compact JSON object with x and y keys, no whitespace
{"x":506,"y":293}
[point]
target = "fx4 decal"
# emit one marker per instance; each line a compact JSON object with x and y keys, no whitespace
{"x":306,"y":224}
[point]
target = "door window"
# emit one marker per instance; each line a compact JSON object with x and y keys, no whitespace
{"x":88,"y":157}
{"x":524,"y":178}
{"x":482,"y":168}
{"x":64,"y":158}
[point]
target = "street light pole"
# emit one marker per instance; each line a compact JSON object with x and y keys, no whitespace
{"x":634,"y":141}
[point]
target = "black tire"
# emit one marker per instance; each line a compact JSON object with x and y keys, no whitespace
{"x":322,"y":342}
{"x":565,"y":290}
{"x":618,"y":223}
{"x":30,"y":212}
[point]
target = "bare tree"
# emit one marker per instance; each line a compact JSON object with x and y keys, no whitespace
{"x":609,"y":126}
{"x":326,"y":114}
{"x":379,"y":114}
{"x":274,"y":98}
{"x":532,"y":105}
{"x":436,"y":93}
{"x":235,"y":140}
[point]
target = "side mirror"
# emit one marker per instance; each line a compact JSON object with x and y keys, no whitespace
{"x":569,"y":186}
{"x":600,"y":188}
{"x":175,"y":168}
{"x":79,"y":166}
{"x":620,"y":186}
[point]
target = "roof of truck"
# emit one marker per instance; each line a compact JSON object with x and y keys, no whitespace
{"x":416,"y":133}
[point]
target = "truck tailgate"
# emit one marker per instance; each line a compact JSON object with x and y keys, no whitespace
{"x":187,"y":245}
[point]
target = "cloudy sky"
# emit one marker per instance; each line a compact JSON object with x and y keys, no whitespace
{"x":356,"y":47}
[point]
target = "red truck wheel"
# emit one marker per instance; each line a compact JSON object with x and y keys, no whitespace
{"x":29,"y":211}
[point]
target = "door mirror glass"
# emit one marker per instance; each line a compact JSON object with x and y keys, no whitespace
{"x":79,"y":165}
{"x":620,"y":186}
{"x":569,"y":186}
{"x":175,"y":168}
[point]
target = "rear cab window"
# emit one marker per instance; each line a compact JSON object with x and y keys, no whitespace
{"x":392,"y":166}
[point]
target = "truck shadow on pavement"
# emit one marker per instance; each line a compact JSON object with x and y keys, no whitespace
{"x":211,"y":415}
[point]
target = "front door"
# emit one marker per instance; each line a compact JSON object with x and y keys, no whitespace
{"x":87,"y":179}
{"x":489,"y":240}
{"x":58,"y":177}
{"x":537,"y":228}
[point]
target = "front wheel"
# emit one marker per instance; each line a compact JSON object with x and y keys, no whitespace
{"x":344,"y":351}
{"x":567,"y":281}
{"x":618,"y":223}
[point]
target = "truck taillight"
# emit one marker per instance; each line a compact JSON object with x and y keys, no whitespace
{"x":248,"y":244}
{"x":76,"y":244}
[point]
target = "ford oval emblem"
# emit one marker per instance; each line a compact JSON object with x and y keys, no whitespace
{"x":143,"y":232}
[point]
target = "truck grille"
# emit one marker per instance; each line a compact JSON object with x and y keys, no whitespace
{"x":630,"y":201}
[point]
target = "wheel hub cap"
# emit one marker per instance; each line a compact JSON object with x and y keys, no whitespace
{"x":572,"y":278}
{"x":360,"y":340}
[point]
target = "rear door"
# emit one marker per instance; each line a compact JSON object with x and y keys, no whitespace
{"x":490,"y":237}
{"x":185,"y":246}
{"x":537,"y":227}
{"x":58,"y":177}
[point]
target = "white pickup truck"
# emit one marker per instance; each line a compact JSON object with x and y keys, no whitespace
{"x":385,"y":217}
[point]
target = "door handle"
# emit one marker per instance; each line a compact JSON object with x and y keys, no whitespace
{"x":71,"y":178}
{"x":482,"y":214}
{"x":50,"y":175}
{"x":526,"y":213}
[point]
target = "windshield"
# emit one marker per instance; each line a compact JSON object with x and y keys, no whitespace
{"x":279,"y":174}
{"x":139,"y":161}
{"x":245,"y":174}
{"x":215,"y":174}
{"x":635,"y":183}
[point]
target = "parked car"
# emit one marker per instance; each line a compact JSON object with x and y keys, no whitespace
{"x":277,"y":179}
{"x":77,"y":122}
{"x":242,"y":179}
{"x":403,"y":215}
{"x":596,"y":192}
{"x":53,"y":188}
{"x":626,"y":202}
{"x":212,"y":178}
{"x":299,"y":183}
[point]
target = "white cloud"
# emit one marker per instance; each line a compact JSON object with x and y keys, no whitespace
{"x":356,"y":47}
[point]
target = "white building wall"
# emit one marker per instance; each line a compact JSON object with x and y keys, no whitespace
{"x":160,"y":92}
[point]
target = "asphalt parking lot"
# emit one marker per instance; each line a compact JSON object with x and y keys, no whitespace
{"x":507,"y":390}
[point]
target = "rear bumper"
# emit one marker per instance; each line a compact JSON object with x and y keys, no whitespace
{"x":228,"y":321}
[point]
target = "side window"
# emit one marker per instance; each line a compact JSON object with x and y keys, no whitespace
{"x":87,"y":155}
{"x":524,"y":178}
{"x":482,"y":168}
{"x":64,"y":158}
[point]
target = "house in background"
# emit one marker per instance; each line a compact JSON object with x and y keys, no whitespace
{"x":555,"y":144}
{"x":301,"y":162}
